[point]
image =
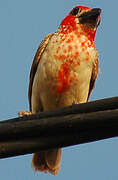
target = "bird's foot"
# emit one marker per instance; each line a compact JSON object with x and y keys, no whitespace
{"x":24,"y":113}
{"x":75,"y":102}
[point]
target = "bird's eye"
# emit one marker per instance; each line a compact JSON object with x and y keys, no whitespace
{"x":75,"y":11}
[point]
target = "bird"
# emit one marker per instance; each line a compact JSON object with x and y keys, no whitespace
{"x":64,"y":72}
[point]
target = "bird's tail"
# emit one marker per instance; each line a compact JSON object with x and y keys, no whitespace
{"x":47,"y":161}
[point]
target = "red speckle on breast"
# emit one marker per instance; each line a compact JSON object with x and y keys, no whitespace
{"x":65,"y":51}
{"x":63,"y":79}
{"x":83,"y":43}
{"x":58,"y":49}
{"x":70,"y":48}
{"x":69,"y":41}
{"x":76,"y":55}
{"x":87,"y":56}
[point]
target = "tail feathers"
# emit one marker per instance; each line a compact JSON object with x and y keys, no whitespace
{"x":47,"y":161}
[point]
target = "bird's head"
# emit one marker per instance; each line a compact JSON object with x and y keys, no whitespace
{"x":82,"y":19}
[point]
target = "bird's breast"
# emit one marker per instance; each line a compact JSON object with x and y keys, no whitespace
{"x":66,"y":58}
{"x":64,"y":72}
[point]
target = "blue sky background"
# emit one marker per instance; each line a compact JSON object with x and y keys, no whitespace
{"x":23,"y":24}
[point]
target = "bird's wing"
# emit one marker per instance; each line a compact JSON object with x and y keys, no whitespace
{"x":94,"y":76}
{"x":35,"y":63}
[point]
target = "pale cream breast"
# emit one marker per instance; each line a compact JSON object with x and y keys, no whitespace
{"x":64,"y":72}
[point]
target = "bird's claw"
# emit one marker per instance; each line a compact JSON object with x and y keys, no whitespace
{"x":24,"y":113}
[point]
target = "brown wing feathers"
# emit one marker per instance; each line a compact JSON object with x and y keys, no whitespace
{"x":35,"y":63}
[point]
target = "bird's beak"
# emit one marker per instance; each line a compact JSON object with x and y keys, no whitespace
{"x":91,"y":17}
